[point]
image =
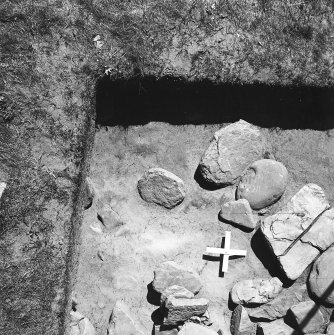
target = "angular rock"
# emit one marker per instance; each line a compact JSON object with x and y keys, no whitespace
{"x":308,"y":317}
{"x":194,"y":329}
{"x":321,"y":279}
{"x":241,"y":323}
{"x":109,"y":218}
{"x":263,"y":183}
{"x":178,"y":310}
{"x":161,"y":187}
{"x":330,"y":328}
{"x":231,"y":150}
{"x":169,"y":273}
{"x":160,"y":330}
{"x":283,"y":228}
{"x":238,"y":212}
{"x":124,"y":322}
{"x":80,"y":325}
{"x":89,"y":193}
{"x":255,"y":291}
{"x":175,"y":291}
{"x":278,"y":307}
{"x":277,"y":327}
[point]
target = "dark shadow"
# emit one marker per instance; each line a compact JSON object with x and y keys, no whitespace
{"x":153,"y":297}
{"x":157,"y":316}
{"x":138,"y":101}
{"x":204,"y":183}
{"x":233,"y":224}
{"x":268,"y":259}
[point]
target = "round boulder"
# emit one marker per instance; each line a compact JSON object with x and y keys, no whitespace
{"x":263,"y":183}
{"x":321,"y":279}
{"x":161,"y":187}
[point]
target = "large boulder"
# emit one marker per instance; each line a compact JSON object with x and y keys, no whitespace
{"x":231,"y":150}
{"x":194,"y":329}
{"x":263,"y":183}
{"x":240,"y":322}
{"x":169,"y":273}
{"x":124,"y":322}
{"x":239,"y":213}
{"x":308,"y":317}
{"x":179,"y":310}
{"x":255,"y":291}
{"x":321,"y":279}
{"x":277,"y":327}
{"x":161,"y":187}
{"x":278,"y":307}
{"x":283,"y":228}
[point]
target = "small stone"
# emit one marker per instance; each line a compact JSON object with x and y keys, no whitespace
{"x":277,"y":327}
{"x":194,"y":329}
{"x":308,"y":316}
{"x":109,"y":219}
{"x":3,"y":186}
{"x":278,"y":307}
{"x":231,"y":150}
{"x":175,"y":291}
{"x":161,"y":187}
{"x":241,"y":323}
{"x":178,"y":310}
{"x":321,"y":278}
{"x":89,"y":193}
{"x":330,"y":328}
{"x":169,"y":273}
{"x":161,"y":330}
{"x":255,"y":291}
{"x":238,"y":212}
{"x":263,"y":183}
{"x":80,"y":325}
{"x":124,"y":322}
{"x":283,"y":228}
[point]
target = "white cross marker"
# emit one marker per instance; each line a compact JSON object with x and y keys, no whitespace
{"x":226,"y":251}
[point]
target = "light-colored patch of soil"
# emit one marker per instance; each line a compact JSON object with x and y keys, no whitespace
{"x":118,"y":262}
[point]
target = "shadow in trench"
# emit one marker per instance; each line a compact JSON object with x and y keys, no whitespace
{"x":137,"y":102}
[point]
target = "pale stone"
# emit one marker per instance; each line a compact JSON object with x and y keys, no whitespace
{"x":194,"y":329}
{"x":277,"y":327}
{"x":238,"y":212}
{"x":330,"y":328}
{"x":283,"y":228}
{"x":161,"y":187}
{"x":278,"y":307}
{"x":240,"y":322}
{"x":109,"y":218}
{"x":80,"y":325}
{"x":255,"y":291}
{"x":124,"y":322}
{"x":169,"y":273}
{"x":178,"y":310}
{"x":160,"y":330}
{"x":175,"y":291}
{"x":263,"y":183}
{"x":308,"y":316}
{"x":321,"y":279}
{"x":231,"y":150}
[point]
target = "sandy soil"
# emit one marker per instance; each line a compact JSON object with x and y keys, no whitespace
{"x":117,"y":261}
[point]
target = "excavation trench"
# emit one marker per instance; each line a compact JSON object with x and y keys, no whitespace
{"x":169,"y":124}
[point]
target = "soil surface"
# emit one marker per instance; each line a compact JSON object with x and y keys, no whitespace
{"x":117,"y":261}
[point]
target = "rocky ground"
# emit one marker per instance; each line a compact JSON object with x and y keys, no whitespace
{"x":125,"y":238}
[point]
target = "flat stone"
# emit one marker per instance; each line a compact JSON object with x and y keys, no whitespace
{"x":263,"y":183}
{"x":178,"y":310}
{"x":194,"y":329}
{"x":169,"y":273}
{"x":255,"y":291}
{"x":161,"y":187}
{"x":308,"y":317}
{"x":277,"y":327}
{"x":283,"y":228}
{"x":175,"y":291}
{"x":278,"y":307}
{"x":89,"y":193}
{"x":321,"y":279}
{"x":241,"y":323}
{"x":231,"y":150}
{"x":160,"y":330}
{"x":124,"y":322}
{"x":239,"y":213}
{"x":109,"y":219}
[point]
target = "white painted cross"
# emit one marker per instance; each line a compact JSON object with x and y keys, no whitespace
{"x":226,"y":251}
